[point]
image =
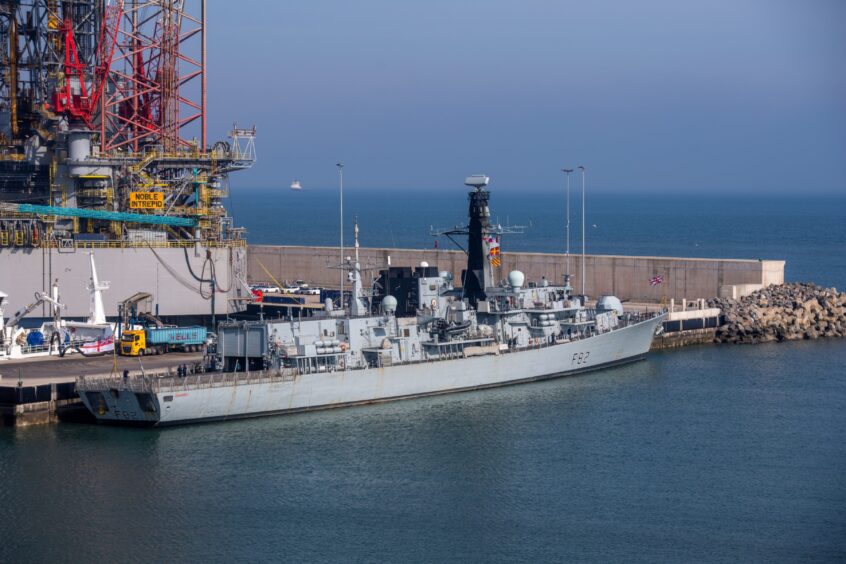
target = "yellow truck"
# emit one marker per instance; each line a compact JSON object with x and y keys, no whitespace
{"x":160,"y":340}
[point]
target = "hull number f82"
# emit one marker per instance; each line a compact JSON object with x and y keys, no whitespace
{"x":580,"y":358}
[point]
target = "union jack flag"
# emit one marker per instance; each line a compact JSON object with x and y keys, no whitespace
{"x":655,"y":280}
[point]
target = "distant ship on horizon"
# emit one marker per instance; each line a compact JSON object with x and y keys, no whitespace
{"x":295,"y":185}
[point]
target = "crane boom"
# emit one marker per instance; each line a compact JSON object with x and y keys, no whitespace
{"x":40,"y":298}
{"x":72,"y":97}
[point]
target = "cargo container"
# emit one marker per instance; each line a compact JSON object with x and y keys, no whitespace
{"x":159,"y":340}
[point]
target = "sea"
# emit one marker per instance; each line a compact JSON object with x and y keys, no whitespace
{"x":711,"y":453}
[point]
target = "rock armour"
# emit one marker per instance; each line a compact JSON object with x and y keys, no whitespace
{"x":784,"y":312}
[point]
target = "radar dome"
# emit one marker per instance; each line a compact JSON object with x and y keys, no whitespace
{"x":389,"y":304}
{"x":424,"y":264}
{"x":516,"y":279}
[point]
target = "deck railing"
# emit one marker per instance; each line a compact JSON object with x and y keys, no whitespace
{"x":166,"y":381}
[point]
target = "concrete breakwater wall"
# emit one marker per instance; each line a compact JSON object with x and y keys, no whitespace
{"x":784,"y":312}
{"x":624,"y":276}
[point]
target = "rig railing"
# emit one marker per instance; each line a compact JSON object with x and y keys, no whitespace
{"x":113,"y":244}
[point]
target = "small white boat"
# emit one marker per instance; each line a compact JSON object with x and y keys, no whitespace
{"x":295,"y":185}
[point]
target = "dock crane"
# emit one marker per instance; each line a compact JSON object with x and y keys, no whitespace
{"x":6,"y":332}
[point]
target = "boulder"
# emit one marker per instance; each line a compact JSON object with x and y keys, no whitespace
{"x":782,"y":313}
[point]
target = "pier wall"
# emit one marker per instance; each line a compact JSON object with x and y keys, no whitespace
{"x":162,"y":272}
{"x":624,"y":276}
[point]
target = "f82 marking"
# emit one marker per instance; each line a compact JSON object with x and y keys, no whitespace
{"x":580,"y":358}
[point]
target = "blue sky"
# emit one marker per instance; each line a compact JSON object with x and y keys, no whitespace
{"x":655,"y":95}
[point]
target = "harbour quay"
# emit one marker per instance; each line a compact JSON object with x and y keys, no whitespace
{"x":42,"y":390}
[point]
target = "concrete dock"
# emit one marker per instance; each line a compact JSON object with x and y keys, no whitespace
{"x":41,"y":390}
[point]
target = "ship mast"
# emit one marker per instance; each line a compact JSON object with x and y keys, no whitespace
{"x":356,"y":300}
{"x":479,"y":273}
{"x":96,"y":311}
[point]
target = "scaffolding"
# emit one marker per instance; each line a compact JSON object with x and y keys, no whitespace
{"x":156,"y":82}
{"x":103,"y":100}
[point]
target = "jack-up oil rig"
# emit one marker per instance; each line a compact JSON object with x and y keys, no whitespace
{"x":103,"y":147}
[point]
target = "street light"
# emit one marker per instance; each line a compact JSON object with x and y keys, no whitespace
{"x":583,"y":169}
{"x":342,"y":270}
{"x":567,"y":171}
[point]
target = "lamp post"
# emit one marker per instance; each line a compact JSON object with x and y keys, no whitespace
{"x":343,"y":273}
{"x":583,"y":169}
{"x":567,"y":171}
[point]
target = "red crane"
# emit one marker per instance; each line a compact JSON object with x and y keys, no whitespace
{"x":72,"y":97}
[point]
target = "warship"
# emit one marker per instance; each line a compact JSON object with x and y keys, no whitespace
{"x":104,"y":149}
{"x":426,"y":337}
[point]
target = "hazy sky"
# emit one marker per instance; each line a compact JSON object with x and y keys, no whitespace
{"x":658,"y":95}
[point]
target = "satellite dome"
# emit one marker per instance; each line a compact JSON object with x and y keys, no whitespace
{"x":516,"y":279}
{"x":389,"y":304}
{"x":424,"y":264}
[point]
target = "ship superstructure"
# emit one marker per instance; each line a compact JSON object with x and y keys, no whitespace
{"x":103,"y":148}
{"x":431,"y":338}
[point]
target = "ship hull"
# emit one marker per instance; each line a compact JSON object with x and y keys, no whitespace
{"x":209,"y":397}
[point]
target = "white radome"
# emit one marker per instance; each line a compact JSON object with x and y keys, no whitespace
{"x":516,"y":279}
{"x":389,"y":304}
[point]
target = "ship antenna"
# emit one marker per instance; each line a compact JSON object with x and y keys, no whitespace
{"x":96,"y":312}
{"x":567,"y":288}
{"x":356,"y":301}
{"x":584,"y":292}
{"x":343,"y":273}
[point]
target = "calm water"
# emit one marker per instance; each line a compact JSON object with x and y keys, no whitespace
{"x":712,"y":454}
{"x":709,"y":454}
{"x":809,"y":232}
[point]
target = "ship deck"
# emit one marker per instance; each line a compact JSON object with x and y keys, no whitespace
{"x":40,"y":371}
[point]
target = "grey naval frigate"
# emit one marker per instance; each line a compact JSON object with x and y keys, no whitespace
{"x":431,"y":338}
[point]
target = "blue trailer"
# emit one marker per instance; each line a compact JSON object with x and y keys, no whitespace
{"x":159,"y":340}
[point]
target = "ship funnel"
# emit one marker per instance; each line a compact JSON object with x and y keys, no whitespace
{"x":96,"y":311}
